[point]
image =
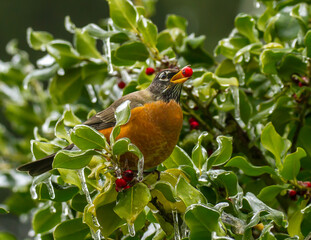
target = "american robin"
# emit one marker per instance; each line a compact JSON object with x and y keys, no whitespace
{"x":154,"y":125}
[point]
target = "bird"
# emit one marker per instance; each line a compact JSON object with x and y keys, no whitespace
{"x":154,"y":125}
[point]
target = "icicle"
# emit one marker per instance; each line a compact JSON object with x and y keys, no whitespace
{"x":240,"y":73}
{"x":108,"y":49}
{"x":222,"y":117}
{"x":38,"y":237}
{"x":66,"y":210}
{"x":33,"y":191}
{"x":84,"y":186}
{"x":184,"y":230}
{"x":131,"y":229}
{"x":96,"y":235}
{"x":222,"y":97}
{"x":91,"y":93}
{"x":52,"y":208}
{"x":176,"y":225}
{"x":48,"y":183}
{"x":140,"y":168}
{"x":236,"y":100}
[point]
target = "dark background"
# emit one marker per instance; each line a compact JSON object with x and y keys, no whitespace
{"x":213,"y":18}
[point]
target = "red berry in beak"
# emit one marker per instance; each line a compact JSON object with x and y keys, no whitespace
{"x":121,"y":84}
{"x":149,"y":70}
{"x":187,"y":71}
{"x":121,"y":183}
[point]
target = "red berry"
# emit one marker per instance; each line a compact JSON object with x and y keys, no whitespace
{"x":121,"y":84}
{"x":121,"y":183}
{"x":307,"y":184}
{"x":292,"y":193}
{"x":187,"y":71}
{"x":127,"y":187}
{"x":128,"y":175}
{"x":194,"y":125}
{"x":149,"y":71}
{"x":300,"y":84}
{"x":192,"y":119}
{"x":118,"y":189}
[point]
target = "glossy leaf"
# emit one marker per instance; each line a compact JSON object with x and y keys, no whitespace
{"x":178,"y":158}
{"x":270,"y":192}
{"x":202,"y":220}
{"x":131,"y":202}
{"x":149,"y":31}
{"x":187,"y":193}
{"x":248,"y":169}
{"x":246,"y":26}
{"x":42,"y":149}
{"x":85,"y":137}
{"x":62,"y":193}
{"x":199,"y":153}
{"x":222,"y":153}
{"x":44,"y":219}
{"x":69,"y":159}
{"x":123,"y":113}
{"x":38,"y":39}
{"x":174,"y":21}
{"x":132,"y":51}
{"x":274,"y":143}
{"x":291,"y":164}
{"x":85,"y":44}
{"x":71,"y":229}
{"x":123,"y":13}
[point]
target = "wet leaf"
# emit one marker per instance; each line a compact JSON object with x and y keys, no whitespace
{"x":178,"y":158}
{"x":132,"y":51}
{"x":149,"y":31}
{"x":291,"y":164}
{"x":38,"y":39}
{"x":71,"y":229}
{"x":222,"y":153}
{"x":270,"y":192}
{"x":85,"y":44}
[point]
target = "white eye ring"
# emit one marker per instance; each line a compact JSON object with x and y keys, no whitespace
{"x":162,"y":75}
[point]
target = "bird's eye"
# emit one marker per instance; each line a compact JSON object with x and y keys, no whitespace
{"x":163,"y":76}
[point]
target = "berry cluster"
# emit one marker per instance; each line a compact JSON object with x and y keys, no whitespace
{"x":304,"y":191}
{"x":300,"y":81}
{"x":124,"y":182}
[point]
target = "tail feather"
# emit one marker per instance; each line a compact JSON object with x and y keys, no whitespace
{"x":40,"y":166}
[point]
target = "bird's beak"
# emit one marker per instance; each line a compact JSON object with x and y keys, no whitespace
{"x":179,"y":78}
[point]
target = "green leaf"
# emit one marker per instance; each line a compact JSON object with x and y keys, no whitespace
{"x":269,"y":59}
{"x":123,"y":113}
{"x":286,"y":26}
{"x":270,"y":192}
{"x":164,"y":40}
{"x":308,"y":43}
{"x":63,"y":53}
{"x":222,"y":153}
{"x":97,"y":32}
{"x":131,"y":202}
{"x":187,"y":193}
{"x":38,"y":39}
{"x":291,"y":164}
{"x":274,"y":143}
{"x":132,"y":51}
{"x":7,"y":236}
{"x":3,"y":210}
{"x":60,"y":130}
{"x":149,"y":31}
{"x":42,"y":149}
{"x":85,"y":45}
{"x":70,"y":159}
{"x":174,"y":21}
{"x":246,"y":26}
{"x":71,"y":229}
{"x":119,"y":61}
{"x":202,"y":220}
{"x":178,"y":158}
{"x":104,"y":213}
{"x":249,"y":169}
{"x":121,"y":146}
{"x":44,"y":219}
{"x":94,"y":73}
{"x":85,"y":137}
{"x":70,"y":119}
{"x":123,"y":13}
{"x":199,"y":153}
{"x":66,"y":88}
{"x":41,"y":74}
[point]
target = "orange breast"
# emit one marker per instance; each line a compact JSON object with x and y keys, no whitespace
{"x":154,"y":128}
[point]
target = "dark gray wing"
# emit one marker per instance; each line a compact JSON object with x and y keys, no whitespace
{"x":105,"y":119}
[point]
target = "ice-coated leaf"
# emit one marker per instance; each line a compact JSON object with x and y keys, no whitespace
{"x":187,"y":193}
{"x":199,"y":153}
{"x":85,"y":44}
{"x":246,"y":26}
{"x":132,"y":51}
{"x":291,"y":164}
{"x":42,"y":149}
{"x":70,"y":159}
{"x":38,"y":39}
{"x":174,"y":21}
{"x":178,"y":158}
{"x":123,"y":113}
{"x":249,"y":169}
{"x":274,"y":143}
{"x":44,"y":219}
{"x":71,"y":229}
{"x":149,"y":31}
{"x":123,"y":13}
{"x":222,"y":153}
{"x":85,"y":137}
{"x":131,"y":202}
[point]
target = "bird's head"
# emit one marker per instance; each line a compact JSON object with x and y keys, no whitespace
{"x":167,"y":84}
